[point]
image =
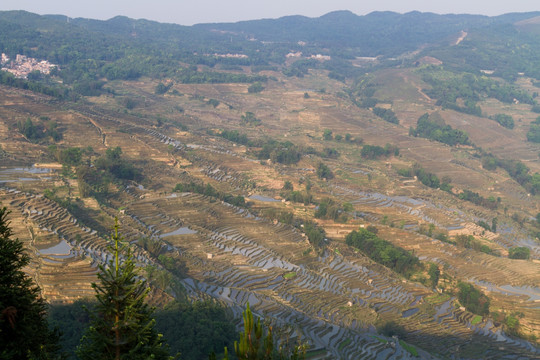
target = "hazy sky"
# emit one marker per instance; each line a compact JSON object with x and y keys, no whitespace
{"x":188,"y":12}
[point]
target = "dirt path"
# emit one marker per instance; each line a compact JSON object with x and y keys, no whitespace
{"x":461,"y":37}
{"x":99,"y":129}
{"x":418,"y":88}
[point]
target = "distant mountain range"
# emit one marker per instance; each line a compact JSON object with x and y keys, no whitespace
{"x":378,"y":33}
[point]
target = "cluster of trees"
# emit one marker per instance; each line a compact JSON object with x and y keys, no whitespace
{"x":161,"y":88}
{"x":114,"y":164}
{"x":209,"y":190}
{"x":448,"y":87}
{"x":433,"y":127}
{"x":429,"y":230}
{"x":153,"y":246}
{"x":519,"y":252}
{"x":193,"y":76}
{"x":340,"y":68}
{"x":386,"y":114}
{"x":328,"y":135}
{"x":326,"y":208}
{"x":469,"y":242}
{"x":250,"y":119}
{"x":473,"y":299}
{"x":284,"y":217}
{"x":55,"y":91}
{"x":362,"y":92}
{"x":93,"y":180}
{"x":490,"y":162}
{"x":315,"y":234}
{"x":485,"y":225}
{"x":173,"y":263}
{"x":52,"y":129}
{"x":283,"y":152}
{"x":37,"y":131}
{"x":520,"y":172}
{"x":429,"y":179}
{"x":511,"y":322}
{"x":508,"y":93}
{"x":256,"y":87}
{"x":383,"y":252}
{"x":299,"y":197}
{"x":300,"y":68}
{"x":533,"y":135}
{"x":504,"y":120}
{"x":517,"y":171}
{"x":329,"y":153}
{"x":234,"y":136}
{"x":71,"y":156}
{"x":213,"y":102}
{"x":324,"y":172}
{"x":88,"y":87}
{"x":434,"y":274}
{"x":477,"y":199}
{"x":375,"y":151}
{"x":329,"y":209}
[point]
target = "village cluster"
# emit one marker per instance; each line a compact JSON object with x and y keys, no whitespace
{"x":24,"y":65}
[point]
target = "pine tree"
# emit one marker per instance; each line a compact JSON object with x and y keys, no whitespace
{"x":24,"y":331}
{"x":257,"y":343}
{"x":122,"y":326}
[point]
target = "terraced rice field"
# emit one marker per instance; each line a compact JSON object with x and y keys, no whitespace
{"x":345,"y":293}
{"x":332,"y":300}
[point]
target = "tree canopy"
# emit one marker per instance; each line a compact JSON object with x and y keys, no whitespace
{"x":433,"y":127}
{"x":24,"y":331}
{"x":383,"y":252}
{"x":473,"y":299}
{"x":122,"y":326}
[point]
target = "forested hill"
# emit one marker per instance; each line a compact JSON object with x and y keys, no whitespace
{"x":340,"y":32}
{"x":90,"y":52}
{"x":378,"y":33}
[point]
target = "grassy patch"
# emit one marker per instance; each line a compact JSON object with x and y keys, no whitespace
{"x":411,"y":349}
{"x":384,"y":341}
{"x":289,"y":275}
{"x":437,"y":298}
{"x":476,"y":319}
